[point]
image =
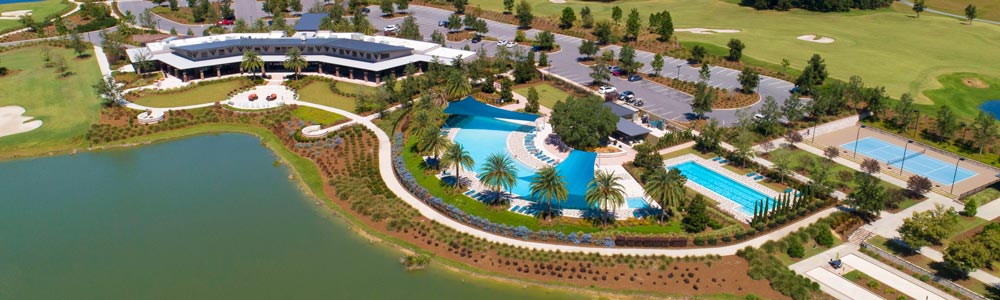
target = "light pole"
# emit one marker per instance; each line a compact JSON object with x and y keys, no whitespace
{"x":857,"y":139}
{"x":965,"y":127}
{"x":916,"y":125}
{"x":815,"y":124}
{"x":955,"y":175}
{"x":678,"y":72}
{"x":903,"y":162}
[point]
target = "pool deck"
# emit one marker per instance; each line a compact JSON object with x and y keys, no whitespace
{"x":984,"y":175}
{"x":725,"y":204}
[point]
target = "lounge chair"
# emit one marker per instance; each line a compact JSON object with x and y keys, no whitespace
{"x":723,"y":161}
{"x":751,"y":174}
{"x":716,"y":158}
{"x":758,"y":177}
{"x":469,"y":192}
{"x":514,"y":208}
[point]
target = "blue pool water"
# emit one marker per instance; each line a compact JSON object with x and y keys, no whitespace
{"x":635,"y":202}
{"x":16,"y":1}
{"x":991,"y":106}
{"x":915,"y":162}
{"x":482,"y":136}
{"x":732,"y":190}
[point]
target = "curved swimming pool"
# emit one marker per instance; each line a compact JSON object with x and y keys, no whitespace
{"x":482,"y":136}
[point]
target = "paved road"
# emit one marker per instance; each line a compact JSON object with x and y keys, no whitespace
{"x":660,"y":100}
{"x":960,"y":17}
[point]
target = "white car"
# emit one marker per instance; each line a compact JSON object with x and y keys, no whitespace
{"x":502,"y":43}
{"x":511,"y":44}
{"x":391,"y":28}
{"x":607,"y":89}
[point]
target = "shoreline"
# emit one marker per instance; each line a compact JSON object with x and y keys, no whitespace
{"x":268,"y":140}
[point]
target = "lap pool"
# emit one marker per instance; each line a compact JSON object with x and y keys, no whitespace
{"x":482,"y":136}
{"x":741,"y":194}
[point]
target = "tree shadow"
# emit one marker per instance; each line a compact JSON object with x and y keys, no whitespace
{"x":598,"y":217}
{"x":993,"y":292}
{"x":898,"y":247}
{"x":544,"y":211}
{"x":945,"y":270}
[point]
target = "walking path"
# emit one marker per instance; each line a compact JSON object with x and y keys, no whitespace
{"x":960,"y":17}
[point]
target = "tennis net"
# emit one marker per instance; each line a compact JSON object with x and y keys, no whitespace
{"x":909,"y":156}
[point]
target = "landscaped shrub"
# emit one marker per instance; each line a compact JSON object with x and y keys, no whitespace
{"x":796,"y":250}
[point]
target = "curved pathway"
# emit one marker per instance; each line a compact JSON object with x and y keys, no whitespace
{"x":389,"y":177}
{"x":960,"y":17}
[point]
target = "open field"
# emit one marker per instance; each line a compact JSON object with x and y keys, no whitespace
{"x":963,"y":99}
{"x":319,"y":92}
{"x":986,"y":9}
{"x":886,"y":47}
{"x":66,"y":105}
{"x":208,"y":92}
{"x":39,"y":10}
{"x":317,"y":115}
{"x":548,"y":95}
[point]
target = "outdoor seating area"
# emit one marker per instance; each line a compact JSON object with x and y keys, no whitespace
{"x":277,"y":96}
{"x":529,"y":143}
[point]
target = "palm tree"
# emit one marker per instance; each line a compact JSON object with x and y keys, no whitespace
{"x":667,"y":188}
{"x":422,"y":122}
{"x":456,"y":156}
{"x":434,"y":143}
{"x":294,"y":60}
{"x":549,"y":185}
{"x":252,"y":62}
{"x":498,"y":172}
{"x":605,"y":191}
{"x":457,"y":84}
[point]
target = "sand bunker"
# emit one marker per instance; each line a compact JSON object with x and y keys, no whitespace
{"x":706,"y":30}
{"x":975,"y":83}
{"x":816,"y":39}
{"x":558,"y":1}
{"x":14,"y":15}
{"x":12,"y":121}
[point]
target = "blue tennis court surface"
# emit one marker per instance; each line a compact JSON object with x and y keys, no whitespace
{"x":915,"y":161}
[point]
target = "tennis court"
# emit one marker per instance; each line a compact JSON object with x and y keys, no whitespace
{"x":915,"y":161}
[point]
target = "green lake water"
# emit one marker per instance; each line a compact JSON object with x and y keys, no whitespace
{"x":208,"y":217}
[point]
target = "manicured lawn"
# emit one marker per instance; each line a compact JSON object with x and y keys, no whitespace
{"x":548,"y":95}
{"x":66,"y":105}
{"x":798,"y":159}
{"x":182,"y":15}
{"x":319,"y":92}
{"x":985,"y":9}
{"x":964,"y":224}
{"x":984,"y":196}
{"x":316,"y":115}
{"x":961,"y":98}
{"x":812,"y":248}
{"x":39,"y":10}
{"x":920,"y":49}
{"x":208,"y":92}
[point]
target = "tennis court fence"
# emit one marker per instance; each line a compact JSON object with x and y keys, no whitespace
{"x":949,"y":154}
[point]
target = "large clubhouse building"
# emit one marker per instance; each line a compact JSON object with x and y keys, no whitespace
{"x":343,"y":54}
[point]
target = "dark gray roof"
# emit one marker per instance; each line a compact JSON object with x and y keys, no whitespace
{"x":630,"y":128}
{"x":309,"y":22}
{"x":619,"y":110}
{"x":347,"y":44}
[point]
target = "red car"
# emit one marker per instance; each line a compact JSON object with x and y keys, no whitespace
{"x":224,"y":22}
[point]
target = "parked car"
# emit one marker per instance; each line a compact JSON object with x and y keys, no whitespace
{"x":626,"y":96}
{"x":224,"y":22}
{"x":391,"y":28}
{"x":511,"y":44}
{"x":758,"y":116}
{"x":634,"y":77}
{"x":639,"y":102}
{"x":502,"y":43}
{"x":443,"y":23}
{"x":477,"y":38}
{"x":365,"y":10}
{"x":606,"y":89}
{"x":794,"y":90}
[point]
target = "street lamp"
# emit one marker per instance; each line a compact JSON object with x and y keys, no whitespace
{"x":858,"y":139}
{"x":965,"y":127}
{"x":815,"y":124}
{"x":903,"y":162}
{"x":916,"y":125}
{"x":678,"y":72}
{"x":955,"y":176}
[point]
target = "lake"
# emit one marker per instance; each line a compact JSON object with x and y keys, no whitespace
{"x":991,"y":106}
{"x":207,"y":217}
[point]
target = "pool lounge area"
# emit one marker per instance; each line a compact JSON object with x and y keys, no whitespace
{"x":735,"y":193}
{"x":482,"y":136}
